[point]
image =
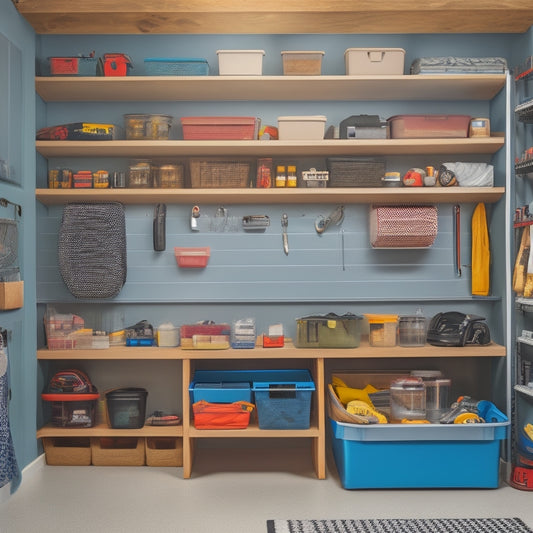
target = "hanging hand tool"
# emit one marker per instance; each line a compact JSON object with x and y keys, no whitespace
{"x":457,"y":239}
{"x":284,"y":224}
{"x":195,"y":215}
{"x":335,"y":217}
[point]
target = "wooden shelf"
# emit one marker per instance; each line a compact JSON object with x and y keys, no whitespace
{"x":269,"y":88}
{"x":103,"y":430}
{"x":276,"y":16}
{"x":382,"y":196}
{"x":364,"y":351}
{"x":325,"y":147}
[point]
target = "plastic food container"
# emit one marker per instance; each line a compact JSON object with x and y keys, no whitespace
{"x":168,"y":335}
{"x":429,"y":126}
{"x":302,"y":63}
{"x":126,"y":408}
{"x":407,"y":399}
{"x":412,"y":330}
{"x":382,"y":329}
{"x":374,"y":61}
{"x":328,"y":331}
{"x":192,"y":257}
{"x":176,"y":66}
{"x":301,"y":128}
{"x":205,"y":336}
{"x":240,"y":62}
{"x":147,"y":127}
{"x":220,"y":128}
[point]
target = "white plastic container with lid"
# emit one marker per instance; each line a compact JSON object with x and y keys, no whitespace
{"x":240,"y":62}
{"x":374,"y":61}
{"x":168,"y":335}
{"x":301,"y":128}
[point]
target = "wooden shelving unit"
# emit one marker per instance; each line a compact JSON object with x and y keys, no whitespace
{"x":276,"y":16}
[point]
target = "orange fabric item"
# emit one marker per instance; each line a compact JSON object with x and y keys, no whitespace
{"x":480,"y":252}
{"x":234,"y":415}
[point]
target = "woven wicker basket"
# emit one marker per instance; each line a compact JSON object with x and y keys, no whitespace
{"x":355,"y":172}
{"x":337,"y":411}
{"x":219,"y":173}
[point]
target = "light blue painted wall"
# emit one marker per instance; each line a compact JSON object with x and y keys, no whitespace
{"x":22,"y":322}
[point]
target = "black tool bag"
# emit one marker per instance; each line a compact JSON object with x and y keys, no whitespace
{"x":92,"y":249}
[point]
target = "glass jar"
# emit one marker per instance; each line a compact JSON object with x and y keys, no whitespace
{"x":140,"y":174}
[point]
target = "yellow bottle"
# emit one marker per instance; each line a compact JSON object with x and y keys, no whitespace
{"x":292,"y":179}
{"x":281,"y":177}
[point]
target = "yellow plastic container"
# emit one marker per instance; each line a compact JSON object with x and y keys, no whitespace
{"x":383,"y":329}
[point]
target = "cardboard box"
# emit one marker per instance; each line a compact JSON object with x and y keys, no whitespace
{"x":67,"y":451}
{"x":164,"y":451}
{"x":117,"y":451}
{"x":11,"y":295}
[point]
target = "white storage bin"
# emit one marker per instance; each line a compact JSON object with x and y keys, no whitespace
{"x":303,"y":128}
{"x":374,"y":61}
{"x":240,"y":62}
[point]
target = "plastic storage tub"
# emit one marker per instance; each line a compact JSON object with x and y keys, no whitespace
{"x":176,"y":66}
{"x":192,"y":257}
{"x":412,"y":330}
{"x":429,"y":126}
{"x":72,"y":66}
{"x":386,"y":456}
{"x":221,"y":386}
{"x":328,"y":331}
{"x":374,"y":61}
{"x":219,"y":128}
{"x":301,"y":128}
{"x":302,"y":63}
{"x":240,"y":62}
{"x":145,"y":127}
{"x":382,"y":329}
{"x":283,"y":398}
{"x":126,"y":408}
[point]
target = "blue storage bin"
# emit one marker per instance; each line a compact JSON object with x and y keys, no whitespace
{"x":418,"y":456}
{"x":221,"y":392}
{"x":176,"y":66}
{"x":283,"y":398}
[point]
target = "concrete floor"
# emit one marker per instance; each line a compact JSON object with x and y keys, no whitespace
{"x":231,"y":491}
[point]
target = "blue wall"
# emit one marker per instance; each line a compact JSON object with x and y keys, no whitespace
{"x":22,"y":323}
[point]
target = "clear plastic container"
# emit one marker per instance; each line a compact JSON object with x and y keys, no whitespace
{"x":412,"y":330}
{"x":147,"y":127}
{"x":407,"y":399}
{"x":382,"y":330}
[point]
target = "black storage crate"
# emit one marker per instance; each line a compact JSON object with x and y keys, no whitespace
{"x":126,"y":408}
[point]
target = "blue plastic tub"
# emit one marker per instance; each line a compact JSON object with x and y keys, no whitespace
{"x":221,"y":392}
{"x":418,"y":456}
{"x":176,"y":66}
{"x":283,"y":399}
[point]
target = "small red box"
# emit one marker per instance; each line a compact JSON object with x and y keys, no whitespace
{"x":72,"y":66}
{"x":219,"y":128}
{"x":192,"y":257}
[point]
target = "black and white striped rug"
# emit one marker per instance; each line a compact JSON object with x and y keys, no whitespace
{"x":401,"y":525}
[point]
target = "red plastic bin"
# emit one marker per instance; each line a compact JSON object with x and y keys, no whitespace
{"x":219,"y":128}
{"x":428,"y":126}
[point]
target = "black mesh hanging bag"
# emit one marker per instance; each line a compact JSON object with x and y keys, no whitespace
{"x":92,"y":249}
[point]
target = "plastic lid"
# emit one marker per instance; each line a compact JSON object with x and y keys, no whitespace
{"x":374,"y":50}
{"x":321,"y":52}
{"x":178,"y":59}
{"x":377,"y":319}
{"x":241,"y":52}
{"x":310,"y":118}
